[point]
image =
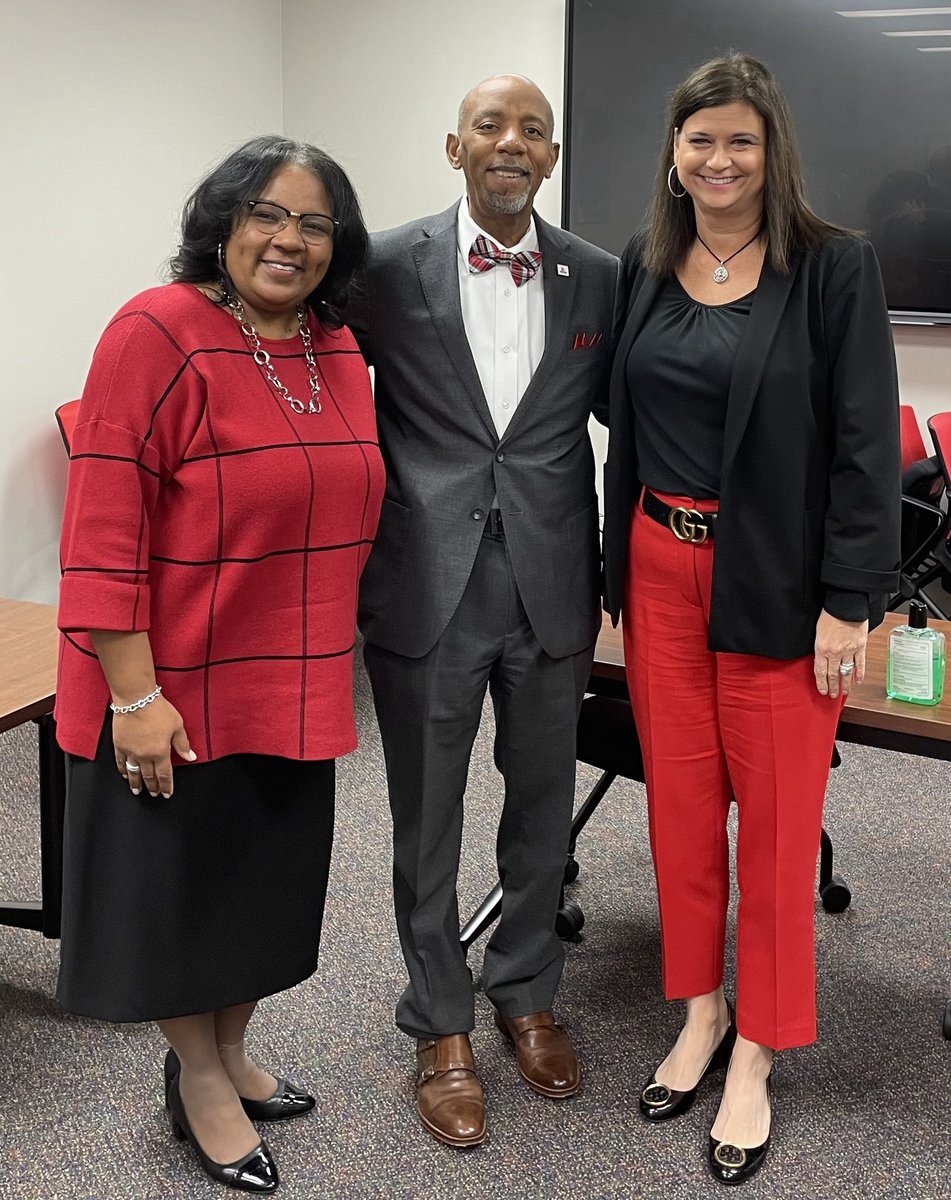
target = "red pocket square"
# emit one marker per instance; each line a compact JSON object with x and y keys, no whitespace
{"x":584,"y":341}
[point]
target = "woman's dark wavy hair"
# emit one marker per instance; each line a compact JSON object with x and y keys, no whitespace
{"x":790,"y":224}
{"x":219,"y":201}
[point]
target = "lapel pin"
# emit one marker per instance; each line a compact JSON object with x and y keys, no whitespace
{"x":563,"y":270}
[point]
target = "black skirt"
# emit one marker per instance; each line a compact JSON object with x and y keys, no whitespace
{"x":212,"y":898}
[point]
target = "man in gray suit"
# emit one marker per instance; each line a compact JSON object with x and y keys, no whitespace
{"x":490,"y":332}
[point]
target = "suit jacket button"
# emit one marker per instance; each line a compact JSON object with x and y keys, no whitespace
{"x":500,"y":457}
{"x":477,"y":514}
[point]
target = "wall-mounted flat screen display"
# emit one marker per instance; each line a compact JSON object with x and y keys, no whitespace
{"x":869,"y":88}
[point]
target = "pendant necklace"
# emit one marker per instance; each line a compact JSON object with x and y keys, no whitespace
{"x":721,"y":274}
{"x":263,"y":359}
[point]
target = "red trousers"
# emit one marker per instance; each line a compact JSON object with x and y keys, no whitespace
{"x":715,"y":727}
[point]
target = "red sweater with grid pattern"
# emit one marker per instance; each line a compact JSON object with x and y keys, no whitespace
{"x":202,"y":509}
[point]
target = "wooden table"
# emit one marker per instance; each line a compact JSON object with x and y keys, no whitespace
{"x":28,"y":650}
{"x":869,"y":717}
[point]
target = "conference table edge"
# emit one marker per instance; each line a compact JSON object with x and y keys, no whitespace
{"x":889,"y":724}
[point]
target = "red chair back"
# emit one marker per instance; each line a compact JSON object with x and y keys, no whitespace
{"x":939,"y":426}
{"x":912,"y":443}
{"x":66,"y":416}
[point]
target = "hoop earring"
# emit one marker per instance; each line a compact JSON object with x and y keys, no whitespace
{"x":676,"y":195}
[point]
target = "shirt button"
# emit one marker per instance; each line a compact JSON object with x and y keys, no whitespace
{"x":477,"y":514}
{"x":507,"y":292}
{"x":506,"y":405}
{"x":506,"y":349}
{"x":500,"y":457}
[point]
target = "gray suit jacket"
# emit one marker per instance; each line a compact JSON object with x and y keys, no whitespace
{"x":445,"y":462}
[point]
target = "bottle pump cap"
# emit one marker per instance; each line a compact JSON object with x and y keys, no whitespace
{"x":917,"y":615}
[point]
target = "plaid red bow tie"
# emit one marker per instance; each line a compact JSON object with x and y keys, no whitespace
{"x":485,"y":255}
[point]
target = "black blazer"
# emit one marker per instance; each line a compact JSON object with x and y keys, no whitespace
{"x":810,"y":493}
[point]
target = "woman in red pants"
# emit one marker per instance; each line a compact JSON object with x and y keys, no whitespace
{"x":751,"y":537}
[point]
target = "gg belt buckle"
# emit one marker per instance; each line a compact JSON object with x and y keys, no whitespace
{"x":686,"y":524}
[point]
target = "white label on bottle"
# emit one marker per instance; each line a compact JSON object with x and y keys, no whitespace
{"x":912,"y":671}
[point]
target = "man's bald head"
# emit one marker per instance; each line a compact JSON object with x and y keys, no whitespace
{"x":504,"y":147}
{"x":472,"y":97}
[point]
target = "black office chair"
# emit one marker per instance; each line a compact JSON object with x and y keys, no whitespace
{"x":924,"y":554}
{"x":923,"y":523}
{"x":607,"y":739}
{"x":594,"y":730}
{"x":940,"y":428}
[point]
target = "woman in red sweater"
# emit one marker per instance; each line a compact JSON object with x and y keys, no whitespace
{"x":224,"y":489}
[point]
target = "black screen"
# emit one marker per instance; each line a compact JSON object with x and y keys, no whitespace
{"x":873,"y":114}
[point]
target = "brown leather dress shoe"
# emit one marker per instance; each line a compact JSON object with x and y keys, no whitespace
{"x":545,"y":1055}
{"x":449,"y":1096}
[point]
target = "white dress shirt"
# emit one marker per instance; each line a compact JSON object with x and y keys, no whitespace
{"x":505,"y":324}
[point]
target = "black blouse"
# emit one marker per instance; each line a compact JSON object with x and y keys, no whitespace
{"x":678,"y":376}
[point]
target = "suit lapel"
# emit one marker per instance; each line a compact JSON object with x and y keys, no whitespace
{"x":559,"y":304}
{"x":435,"y":257}
{"x":769,"y":301}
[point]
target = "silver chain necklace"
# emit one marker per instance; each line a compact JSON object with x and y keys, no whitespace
{"x":721,"y":274}
{"x":263,"y":359}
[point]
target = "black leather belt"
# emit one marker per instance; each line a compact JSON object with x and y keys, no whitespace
{"x":493,"y":522}
{"x":686,"y":524}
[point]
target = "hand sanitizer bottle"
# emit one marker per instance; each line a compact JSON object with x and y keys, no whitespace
{"x":916,"y":659}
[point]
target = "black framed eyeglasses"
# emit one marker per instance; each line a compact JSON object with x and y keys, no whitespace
{"x":269,"y":218}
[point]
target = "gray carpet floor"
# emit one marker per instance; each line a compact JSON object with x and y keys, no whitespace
{"x":865,"y":1113}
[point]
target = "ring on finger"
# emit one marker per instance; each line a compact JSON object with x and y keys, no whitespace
{"x":132,"y":767}
{"x":846,"y":668}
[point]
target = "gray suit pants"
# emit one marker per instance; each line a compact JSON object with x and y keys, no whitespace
{"x":429,"y":711}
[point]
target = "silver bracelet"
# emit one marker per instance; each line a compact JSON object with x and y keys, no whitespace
{"x":127,"y":708}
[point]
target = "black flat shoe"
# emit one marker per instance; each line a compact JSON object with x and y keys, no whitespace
{"x":288,"y":1100}
{"x":732,"y":1164}
{"x":659,"y":1102}
{"x":255,"y":1172}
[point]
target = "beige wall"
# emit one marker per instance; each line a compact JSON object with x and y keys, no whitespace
{"x":379,"y":85}
{"x":112,"y":110}
{"x":924,"y":369}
